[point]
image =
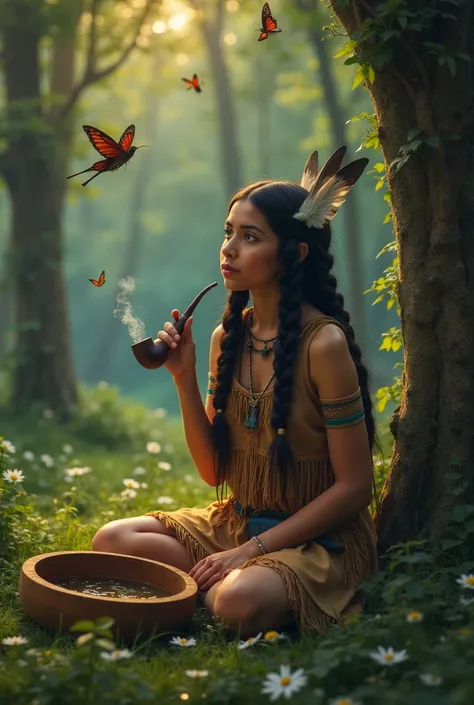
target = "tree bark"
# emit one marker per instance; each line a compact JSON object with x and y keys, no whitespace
{"x":433,"y":217}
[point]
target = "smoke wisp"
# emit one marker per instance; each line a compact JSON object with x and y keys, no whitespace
{"x":136,"y":328}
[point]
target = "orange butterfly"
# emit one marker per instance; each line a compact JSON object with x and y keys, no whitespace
{"x":116,"y":153}
{"x":269,"y":23}
{"x":193,"y":83}
{"x":100,"y":281}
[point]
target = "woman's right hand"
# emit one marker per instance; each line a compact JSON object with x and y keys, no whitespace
{"x":182,"y":357}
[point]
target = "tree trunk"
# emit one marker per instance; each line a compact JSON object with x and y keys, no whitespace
{"x":433,"y":216}
{"x":229,"y":150}
{"x":43,"y":370}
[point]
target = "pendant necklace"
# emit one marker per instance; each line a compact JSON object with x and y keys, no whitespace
{"x":263,"y":352}
{"x":251,"y":420}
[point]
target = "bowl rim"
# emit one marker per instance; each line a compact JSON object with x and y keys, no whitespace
{"x":29,"y":570}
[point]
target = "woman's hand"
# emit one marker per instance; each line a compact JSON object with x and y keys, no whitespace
{"x":216,"y":566}
{"x":182,"y":357}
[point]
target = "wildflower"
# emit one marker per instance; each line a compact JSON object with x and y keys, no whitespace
{"x":13,"y":475}
{"x":77,"y":472}
{"x":14,"y":640}
{"x":414,"y":616}
{"x":143,"y":485}
{"x":464,"y":632}
{"x":388,"y":657}
{"x":467,"y":581}
{"x":189,"y":478}
{"x":128,"y":494}
{"x":466,"y":601}
{"x":139,"y":471}
{"x":197,"y":674}
{"x":28,"y":455}
{"x":116,"y":655}
{"x":48,"y":413}
{"x":102,"y":384}
{"x":272,"y":635}
{"x":284,"y":683}
{"x":165,"y":500}
{"x":131,"y":484}
{"x":8,"y":447}
{"x":47,"y":460}
{"x":345,"y":700}
{"x":67,"y":448}
{"x":430,"y":679}
{"x":182,"y":641}
{"x":153,"y":447}
{"x":163,"y":465}
{"x":159,"y":413}
{"x":249,"y":642}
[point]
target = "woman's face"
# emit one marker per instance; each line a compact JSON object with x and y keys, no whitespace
{"x":250,"y":247}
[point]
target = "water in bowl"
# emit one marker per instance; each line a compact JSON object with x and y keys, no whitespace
{"x":113,"y":587}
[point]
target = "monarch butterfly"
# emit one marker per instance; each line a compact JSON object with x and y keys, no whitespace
{"x":269,"y":23}
{"x":116,"y":153}
{"x":193,"y":83}
{"x":100,"y":281}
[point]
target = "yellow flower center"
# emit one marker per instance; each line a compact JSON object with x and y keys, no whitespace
{"x":464,"y":631}
{"x":271,"y":635}
{"x":116,"y":654}
{"x":250,"y":639}
{"x":414,"y":615}
{"x":14,"y":476}
{"x":286,"y":680}
{"x":183,"y":641}
{"x":389,"y":657}
{"x":470,"y":580}
{"x":344,"y":701}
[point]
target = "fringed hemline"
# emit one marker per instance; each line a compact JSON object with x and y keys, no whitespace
{"x":194,"y":548}
{"x":308,"y":614}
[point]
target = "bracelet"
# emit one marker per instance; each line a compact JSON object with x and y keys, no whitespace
{"x":259,"y":544}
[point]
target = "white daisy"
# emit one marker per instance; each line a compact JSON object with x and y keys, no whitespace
{"x":159,"y":413}
{"x":182,"y":641}
{"x":273,"y":635}
{"x":163,"y":465}
{"x":414,"y":616}
{"x":131,"y":484}
{"x":67,"y":448}
{"x":388,"y":657}
{"x":139,"y":471}
{"x":165,"y":500}
{"x":345,"y":700}
{"x":116,"y":655}
{"x":128,"y":494}
{"x":284,"y":683}
{"x":8,"y":447}
{"x":28,"y":455}
{"x":153,"y":447}
{"x":47,"y":460}
{"x":250,"y":641}
{"x":430,"y":679}
{"x":467,"y":581}
{"x":48,"y":413}
{"x":196,"y":674}
{"x":77,"y":472}
{"x":14,"y":640}
{"x":143,"y":485}
{"x":13,"y":475}
{"x":465,"y":601}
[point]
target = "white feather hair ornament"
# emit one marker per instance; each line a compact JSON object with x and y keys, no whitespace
{"x":328,"y":188}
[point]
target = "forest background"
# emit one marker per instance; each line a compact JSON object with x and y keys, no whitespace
{"x":263,"y":108}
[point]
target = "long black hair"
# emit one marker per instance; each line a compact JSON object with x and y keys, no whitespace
{"x":310,"y":280}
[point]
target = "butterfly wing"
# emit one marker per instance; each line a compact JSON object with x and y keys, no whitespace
{"x":102,"y":142}
{"x":263,"y":35}
{"x":127,"y":138}
{"x":269,"y":23}
{"x":100,"y":281}
{"x":196,"y":84}
{"x":188,"y":81}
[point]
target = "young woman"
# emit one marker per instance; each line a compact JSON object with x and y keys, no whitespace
{"x":287,"y":424}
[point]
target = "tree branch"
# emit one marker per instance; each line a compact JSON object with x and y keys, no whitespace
{"x":91,"y":73}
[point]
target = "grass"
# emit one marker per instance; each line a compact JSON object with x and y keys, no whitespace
{"x":414,"y":604}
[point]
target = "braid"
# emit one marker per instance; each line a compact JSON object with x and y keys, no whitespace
{"x":233,"y":329}
{"x":289,"y":309}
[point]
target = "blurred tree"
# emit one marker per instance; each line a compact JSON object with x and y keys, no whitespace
{"x":417,"y":65}
{"x":313,"y":20}
{"x":40,"y":97}
{"x":211,"y":24}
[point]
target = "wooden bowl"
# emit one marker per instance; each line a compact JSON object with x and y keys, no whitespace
{"x":58,"y":608}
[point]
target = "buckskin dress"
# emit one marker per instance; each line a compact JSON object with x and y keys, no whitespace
{"x":319,"y":584}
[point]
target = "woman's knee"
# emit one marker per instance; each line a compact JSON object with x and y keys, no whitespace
{"x":115,"y":534}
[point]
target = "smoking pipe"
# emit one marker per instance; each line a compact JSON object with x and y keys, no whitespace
{"x":152,"y":354}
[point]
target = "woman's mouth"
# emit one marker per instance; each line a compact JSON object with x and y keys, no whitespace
{"x":228,"y":271}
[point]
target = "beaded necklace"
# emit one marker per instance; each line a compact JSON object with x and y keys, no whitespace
{"x":251,"y":419}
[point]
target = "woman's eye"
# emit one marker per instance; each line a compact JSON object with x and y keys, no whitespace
{"x":246,"y":235}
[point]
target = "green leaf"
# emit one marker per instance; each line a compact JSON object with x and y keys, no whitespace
{"x":85,"y":625}
{"x":84,"y":638}
{"x":104,"y":622}
{"x":451,"y":64}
